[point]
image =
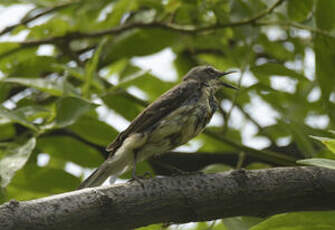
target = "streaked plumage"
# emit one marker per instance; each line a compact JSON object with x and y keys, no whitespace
{"x":173,"y":119}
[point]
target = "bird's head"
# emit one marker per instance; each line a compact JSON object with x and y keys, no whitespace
{"x":209,"y":76}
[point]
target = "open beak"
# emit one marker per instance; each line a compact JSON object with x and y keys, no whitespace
{"x":229,"y":85}
{"x":226,"y":73}
{"x":226,"y":84}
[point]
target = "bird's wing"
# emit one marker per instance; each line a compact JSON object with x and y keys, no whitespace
{"x":164,"y":105}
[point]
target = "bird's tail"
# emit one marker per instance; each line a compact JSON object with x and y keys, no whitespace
{"x":115,"y":165}
{"x":96,"y":178}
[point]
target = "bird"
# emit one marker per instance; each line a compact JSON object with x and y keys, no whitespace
{"x":171,"y":120}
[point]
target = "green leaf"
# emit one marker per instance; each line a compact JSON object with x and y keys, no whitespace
{"x":276,"y":49}
{"x":324,"y":54}
{"x":25,"y":63}
{"x":123,"y":105}
{"x":217,"y":225}
{"x":127,"y":44}
{"x":183,"y":63}
{"x":324,"y":14}
{"x":211,"y":144}
{"x":119,"y":9}
{"x":324,"y":48}
{"x":54,"y":87}
{"x":15,"y":157}
{"x":330,"y":143}
{"x":8,"y":46}
{"x":299,"y":221}
{"x":145,"y":81}
{"x":221,"y":11}
{"x":34,"y":182}
{"x":127,"y":81}
{"x":258,"y":165}
{"x":269,"y":69}
{"x":215,"y":168}
{"x":32,"y":112}
{"x":3,"y":195}
{"x":4,"y":91}
{"x":76,"y":72}
{"x":56,"y":26}
{"x":7,"y":131}
{"x":17,"y":118}
{"x":246,"y":9}
{"x":99,"y":133}
{"x":79,"y":73}
{"x":69,"y":109}
{"x":70,"y":149}
{"x":240,"y":223}
{"x":275,"y":131}
{"x":326,"y":163}
{"x":152,"y":85}
{"x":91,"y":68}
{"x":152,"y":227}
{"x":299,"y":10}
{"x":301,"y":138}
{"x":186,"y":12}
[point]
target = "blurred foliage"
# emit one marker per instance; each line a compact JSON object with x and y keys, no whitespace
{"x":297,"y":221}
{"x":64,"y":87}
{"x":322,"y":162}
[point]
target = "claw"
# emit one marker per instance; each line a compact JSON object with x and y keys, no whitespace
{"x":138,"y":180}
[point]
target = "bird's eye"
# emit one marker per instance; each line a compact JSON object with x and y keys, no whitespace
{"x":211,"y":71}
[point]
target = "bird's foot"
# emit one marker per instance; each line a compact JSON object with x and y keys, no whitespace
{"x":137,"y":179}
{"x":140,"y":179}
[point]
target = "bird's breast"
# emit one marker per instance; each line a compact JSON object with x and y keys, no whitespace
{"x":181,"y":125}
{"x":206,"y":107}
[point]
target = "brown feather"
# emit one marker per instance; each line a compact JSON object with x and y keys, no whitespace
{"x":164,"y":105}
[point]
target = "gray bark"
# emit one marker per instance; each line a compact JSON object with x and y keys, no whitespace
{"x":178,"y":199}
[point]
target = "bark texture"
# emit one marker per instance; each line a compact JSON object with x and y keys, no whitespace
{"x":177,"y":199}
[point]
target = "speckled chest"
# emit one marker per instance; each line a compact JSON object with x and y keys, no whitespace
{"x":205,"y":107}
{"x":182,"y":124}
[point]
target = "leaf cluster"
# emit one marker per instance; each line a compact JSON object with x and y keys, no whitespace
{"x":68,"y":87}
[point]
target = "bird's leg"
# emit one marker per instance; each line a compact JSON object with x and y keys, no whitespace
{"x":133,"y":173}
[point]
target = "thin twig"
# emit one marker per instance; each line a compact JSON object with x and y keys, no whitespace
{"x":239,"y":83}
{"x":188,"y":29}
{"x":225,"y":128}
{"x":153,"y":25}
{"x":268,"y":11}
{"x":296,"y":25}
{"x":27,"y":19}
{"x":240,"y":160}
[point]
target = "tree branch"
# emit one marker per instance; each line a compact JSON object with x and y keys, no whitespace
{"x":46,"y":11}
{"x":265,"y":155}
{"x":195,"y":161}
{"x":177,"y":199}
{"x":188,"y":29}
{"x":289,"y":24}
{"x":191,"y":162}
{"x":268,"y":11}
